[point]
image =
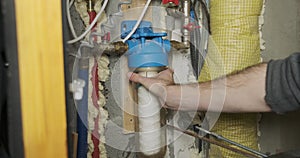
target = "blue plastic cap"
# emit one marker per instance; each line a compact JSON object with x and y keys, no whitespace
{"x":146,"y":48}
{"x":152,"y":54}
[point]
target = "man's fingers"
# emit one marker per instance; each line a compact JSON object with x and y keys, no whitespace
{"x":154,"y":85}
{"x":133,"y":77}
{"x":151,"y":84}
{"x":139,"y":79}
{"x":170,"y":107}
{"x":146,"y":82}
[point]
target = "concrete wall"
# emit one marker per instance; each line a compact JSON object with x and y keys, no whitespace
{"x":282,"y":34}
{"x":281,"y":29}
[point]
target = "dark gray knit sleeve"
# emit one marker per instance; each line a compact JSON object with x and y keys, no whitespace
{"x":283,"y":84}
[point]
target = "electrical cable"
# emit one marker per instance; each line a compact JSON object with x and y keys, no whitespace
{"x":195,"y":39}
{"x":91,"y":25}
{"x":68,"y":5}
{"x":71,"y":3}
{"x":138,"y":22}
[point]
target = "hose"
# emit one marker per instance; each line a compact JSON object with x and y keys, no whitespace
{"x":68,"y":5}
{"x":82,"y":108}
{"x":138,"y":22}
{"x":199,"y":37}
{"x":111,"y":22}
{"x":195,"y":46}
{"x":91,"y":25}
{"x":81,"y":71}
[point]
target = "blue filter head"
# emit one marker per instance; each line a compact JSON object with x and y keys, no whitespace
{"x":146,"y":48}
{"x":150,"y":54}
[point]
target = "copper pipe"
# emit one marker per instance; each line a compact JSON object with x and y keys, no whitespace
{"x":193,"y":134}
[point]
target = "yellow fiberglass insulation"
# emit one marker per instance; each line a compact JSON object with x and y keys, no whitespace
{"x":235,"y":43}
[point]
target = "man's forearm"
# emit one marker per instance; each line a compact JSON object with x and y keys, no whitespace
{"x":241,"y":92}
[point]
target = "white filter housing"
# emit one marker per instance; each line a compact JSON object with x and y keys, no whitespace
{"x":150,"y":131}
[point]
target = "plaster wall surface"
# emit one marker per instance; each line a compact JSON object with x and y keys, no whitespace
{"x":281,"y":32}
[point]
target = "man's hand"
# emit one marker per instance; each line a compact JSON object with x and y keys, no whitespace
{"x":157,"y":85}
{"x":154,"y":84}
{"x":237,"y":97}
